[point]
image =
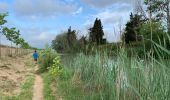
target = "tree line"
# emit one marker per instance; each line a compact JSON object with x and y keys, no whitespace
{"x":69,"y":41}
{"x":144,"y":26}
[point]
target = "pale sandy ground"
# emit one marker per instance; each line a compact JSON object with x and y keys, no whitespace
{"x":13,"y":71}
{"x":38,"y":88}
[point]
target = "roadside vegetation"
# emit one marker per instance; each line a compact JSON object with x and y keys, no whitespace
{"x":101,"y":76}
{"x":90,"y":68}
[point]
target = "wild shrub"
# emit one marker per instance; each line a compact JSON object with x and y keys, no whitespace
{"x":46,"y":59}
{"x":56,"y":69}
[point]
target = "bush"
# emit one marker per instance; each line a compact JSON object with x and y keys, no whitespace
{"x":46,"y":59}
{"x":56,"y":69}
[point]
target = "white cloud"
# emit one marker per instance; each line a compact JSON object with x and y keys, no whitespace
{"x":4,"y":41}
{"x":111,"y":18}
{"x":3,"y":7}
{"x":78,"y":11}
{"x":43,"y":8}
{"x":105,"y":3}
{"x":40,"y":39}
{"x":37,"y":36}
{"x":34,"y":39}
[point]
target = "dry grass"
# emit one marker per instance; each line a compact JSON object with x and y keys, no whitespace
{"x":13,"y":72}
{"x":6,"y":51}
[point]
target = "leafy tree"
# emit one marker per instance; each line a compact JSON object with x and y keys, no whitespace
{"x":60,"y":43}
{"x":2,"y":18}
{"x":2,"y":22}
{"x":71,"y":38}
{"x":158,"y":34}
{"x":160,"y":8}
{"x":17,"y":38}
{"x":96,"y":32}
{"x":68,"y":42}
{"x":25,"y":45}
{"x":132,"y":28}
{"x":11,"y":34}
{"x":158,"y":31}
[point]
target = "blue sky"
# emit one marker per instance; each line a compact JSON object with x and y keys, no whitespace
{"x":39,"y":21}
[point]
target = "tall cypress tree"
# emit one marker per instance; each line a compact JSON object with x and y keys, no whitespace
{"x":96,"y":32}
{"x":132,"y":28}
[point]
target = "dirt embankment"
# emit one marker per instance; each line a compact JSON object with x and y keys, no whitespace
{"x":13,"y":72}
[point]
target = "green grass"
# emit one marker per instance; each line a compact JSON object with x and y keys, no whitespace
{"x":48,"y":93}
{"x":26,"y":91}
{"x":99,"y":77}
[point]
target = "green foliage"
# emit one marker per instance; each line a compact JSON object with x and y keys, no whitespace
{"x":71,"y":39}
{"x":46,"y":58}
{"x":12,"y":34}
{"x":161,"y":9}
{"x":96,"y":33}
{"x":56,"y":69}
{"x":132,"y":28}
{"x":2,"y":22}
{"x":157,"y":33}
{"x":67,"y":42}
{"x":47,"y":90}
{"x":101,"y":77}
{"x":122,"y":77}
{"x":60,"y":43}
{"x":2,"y":18}
{"x":25,"y":45}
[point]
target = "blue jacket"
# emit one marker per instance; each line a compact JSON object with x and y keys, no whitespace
{"x":35,"y":55}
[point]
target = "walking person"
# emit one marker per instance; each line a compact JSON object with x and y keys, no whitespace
{"x":35,"y":56}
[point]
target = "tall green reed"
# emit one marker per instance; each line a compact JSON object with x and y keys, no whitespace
{"x":123,"y":77}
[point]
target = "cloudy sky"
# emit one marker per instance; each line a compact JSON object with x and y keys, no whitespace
{"x":39,"y":21}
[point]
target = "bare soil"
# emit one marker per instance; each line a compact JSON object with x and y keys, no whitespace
{"x":38,"y":88}
{"x":13,"y":71}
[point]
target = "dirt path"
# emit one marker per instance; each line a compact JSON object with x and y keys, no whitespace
{"x":38,"y":88}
